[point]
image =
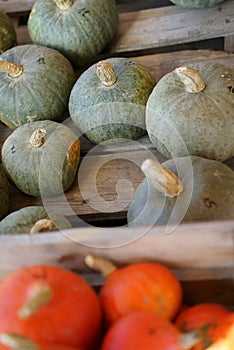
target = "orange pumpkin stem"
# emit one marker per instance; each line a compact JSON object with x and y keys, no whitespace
{"x":42,"y":226}
{"x":106,"y":73}
{"x":17,"y":342}
{"x":191,"y":79}
{"x":163,"y":179}
{"x":102,"y":265}
{"x":13,"y":69}
{"x":37,"y":138}
{"x":64,"y":4}
{"x":42,"y":296}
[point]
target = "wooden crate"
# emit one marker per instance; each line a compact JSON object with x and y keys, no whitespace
{"x":161,"y":36}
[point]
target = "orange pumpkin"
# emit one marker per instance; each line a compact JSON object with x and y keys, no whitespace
{"x":50,"y":305}
{"x":143,"y":330}
{"x":204,"y":319}
{"x":145,"y":286}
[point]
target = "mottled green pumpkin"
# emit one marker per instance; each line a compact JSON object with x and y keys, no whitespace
{"x":191,"y":111}
{"x":196,"y":3}
{"x":108,"y":100}
{"x":8,"y":37}
{"x":32,"y":219}
{"x":78,"y":29}
{"x":35,"y":84}
{"x":41,"y":158}
{"x":199,"y":189}
{"x":4,"y":195}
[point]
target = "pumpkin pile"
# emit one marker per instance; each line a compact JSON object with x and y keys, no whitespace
{"x":139,"y":306}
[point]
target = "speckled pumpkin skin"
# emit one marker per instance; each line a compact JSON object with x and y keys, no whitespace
{"x":196,"y":3}
{"x":8,"y":37}
{"x":79,"y":33}
{"x":211,"y":188}
{"x":4,"y":196}
{"x":204,"y":120}
{"x":105,"y":113}
{"x":41,"y":91}
{"x":44,"y":171}
{"x":22,"y":220}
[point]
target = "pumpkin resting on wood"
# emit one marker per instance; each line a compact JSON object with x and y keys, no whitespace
{"x":8,"y":37}
{"x":41,"y":158}
{"x":184,"y":189}
{"x":4,"y":195}
{"x":191,"y":111}
{"x":35,"y":84}
{"x":196,"y":3}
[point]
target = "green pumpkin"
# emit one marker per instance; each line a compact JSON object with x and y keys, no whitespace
{"x":41,"y":158}
{"x":108,"y":100}
{"x":35,"y":84}
{"x":196,"y":3}
{"x":8,"y":37}
{"x":4,"y":195}
{"x":32,"y":219}
{"x":185,"y":189}
{"x":78,"y":29}
{"x":191,"y":111}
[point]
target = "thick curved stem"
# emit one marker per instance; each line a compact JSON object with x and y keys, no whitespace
{"x":191,"y":79}
{"x":37,"y":138}
{"x":17,"y":342}
{"x":106,"y":73}
{"x":42,"y":225}
{"x":64,"y":4}
{"x":102,"y":265}
{"x":163,"y":179}
{"x":13,"y":69}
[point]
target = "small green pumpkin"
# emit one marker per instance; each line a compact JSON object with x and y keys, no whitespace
{"x":77,"y":29}
{"x":8,"y":37}
{"x":196,"y":3}
{"x":191,"y":111}
{"x":108,"y":100}
{"x":4,"y":195}
{"x":41,"y":158}
{"x":35,"y":84}
{"x":181,"y":190}
{"x":32,"y":219}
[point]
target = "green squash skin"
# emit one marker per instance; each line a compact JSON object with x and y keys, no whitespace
{"x":4,"y":196}
{"x":8,"y":37}
{"x":196,"y":3}
{"x":44,"y":171}
{"x":79,"y":33}
{"x":22,"y":220}
{"x":105,"y":113}
{"x":204,"y":120}
{"x":41,"y":92}
{"x":212,"y":188}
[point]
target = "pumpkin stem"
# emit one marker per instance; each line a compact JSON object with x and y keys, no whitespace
{"x":13,"y":69}
{"x":17,"y":342}
{"x":191,"y":79}
{"x":102,"y":265}
{"x":37,"y":138}
{"x":64,"y":4}
{"x":42,"y":226}
{"x":106,"y":73}
{"x":41,"y":296}
{"x":163,"y":179}
{"x":189,"y":339}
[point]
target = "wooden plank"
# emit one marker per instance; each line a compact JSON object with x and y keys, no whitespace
{"x":229,"y":43}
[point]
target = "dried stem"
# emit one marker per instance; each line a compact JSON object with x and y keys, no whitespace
{"x":191,"y":79}
{"x":42,"y":225}
{"x":106,"y":73}
{"x":13,"y":69}
{"x":37,"y":138}
{"x":64,"y":4}
{"x":17,"y":342}
{"x":102,"y":265}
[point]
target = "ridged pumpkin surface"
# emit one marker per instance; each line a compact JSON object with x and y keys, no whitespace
{"x":79,"y":32}
{"x":7,"y":32}
{"x":108,"y":112}
{"x":196,"y":3}
{"x":207,"y":195}
{"x":46,"y":170}
{"x":202,"y":123}
{"x":4,"y":196}
{"x":41,"y":91}
{"x":22,"y":220}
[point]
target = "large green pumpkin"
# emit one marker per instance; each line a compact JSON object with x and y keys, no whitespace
{"x":185,"y":189}
{"x":78,"y":29}
{"x":108,"y":100}
{"x":41,"y":158}
{"x":8,"y":37}
{"x":196,"y":3}
{"x":32,"y":219}
{"x":191,"y":111}
{"x":35,"y":84}
{"x":4,"y":195}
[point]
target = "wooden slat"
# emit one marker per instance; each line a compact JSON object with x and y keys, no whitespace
{"x":229,"y":43}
